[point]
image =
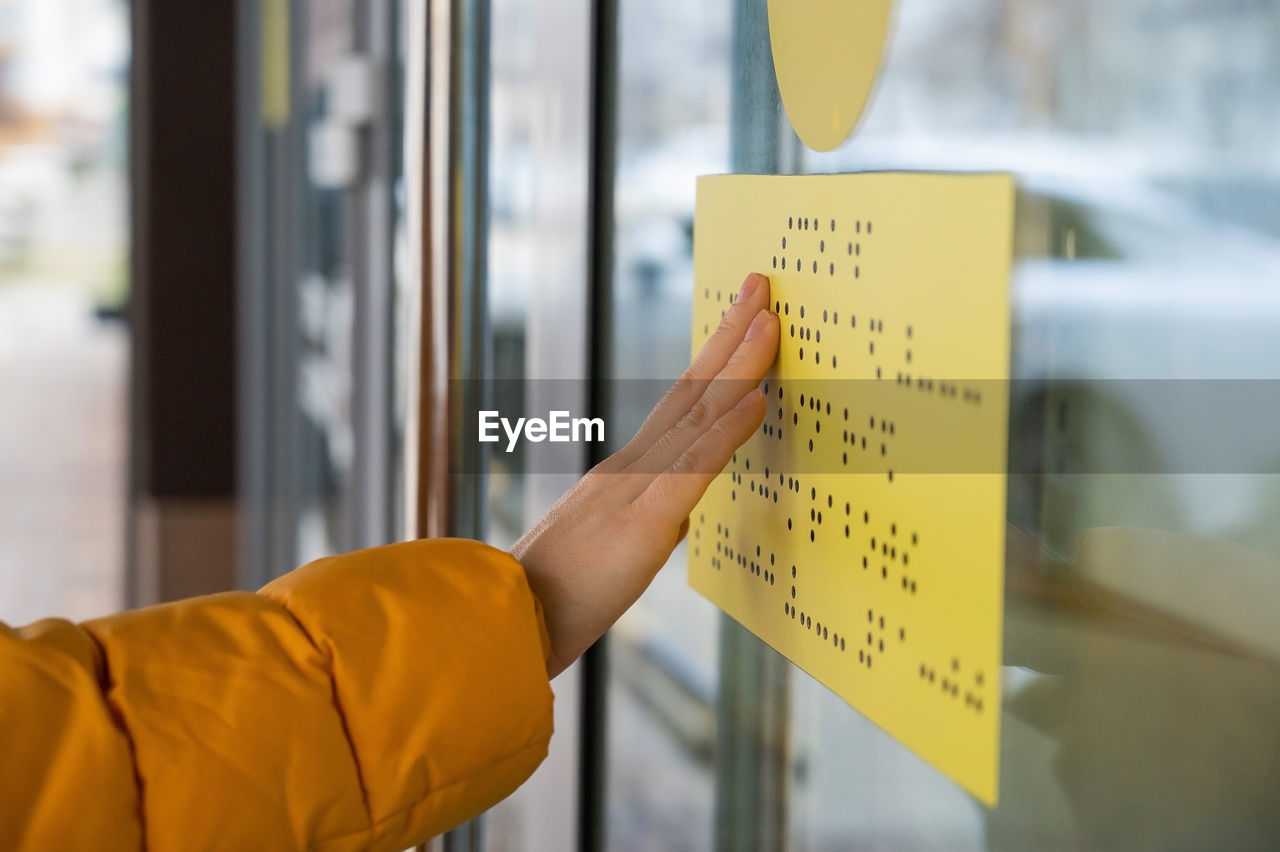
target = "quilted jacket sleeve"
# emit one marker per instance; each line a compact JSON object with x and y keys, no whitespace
{"x":366,"y":701}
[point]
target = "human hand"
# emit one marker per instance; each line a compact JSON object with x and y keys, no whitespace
{"x":602,"y":543}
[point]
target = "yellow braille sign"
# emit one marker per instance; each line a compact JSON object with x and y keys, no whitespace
{"x":861,"y":531}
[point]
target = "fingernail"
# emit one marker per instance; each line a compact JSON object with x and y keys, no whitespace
{"x":750,"y":399}
{"x":759,"y":324}
{"x":748,"y":287}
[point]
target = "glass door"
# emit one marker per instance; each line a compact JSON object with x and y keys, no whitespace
{"x":1139,"y":674}
{"x":1143,"y":569}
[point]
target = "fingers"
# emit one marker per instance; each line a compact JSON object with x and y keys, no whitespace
{"x":673,"y":494}
{"x":715,"y":353}
{"x":743,"y":371}
{"x":709,"y":362}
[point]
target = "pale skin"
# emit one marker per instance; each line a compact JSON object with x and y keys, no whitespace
{"x":602,"y":544}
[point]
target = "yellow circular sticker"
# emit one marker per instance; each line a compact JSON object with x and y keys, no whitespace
{"x":826,"y":54}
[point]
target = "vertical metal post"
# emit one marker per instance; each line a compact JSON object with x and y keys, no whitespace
{"x":592,"y":755}
{"x":752,"y":707}
{"x":372,"y":249}
{"x":449,"y":48}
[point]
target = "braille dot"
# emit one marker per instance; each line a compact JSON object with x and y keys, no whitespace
{"x":795,"y":419}
{"x":833,"y":269}
{"x":775,"y":261}
{"x":802,"y":312}
{"x":815,"y":267}
{"x":822,"y":245}
{"x":810,"y":445}
{"x":793,"y":592}
{"x":801,"y":353}
{"x":810,"y":535}
{"x":850,"y":249}
{"x":790,"y":222}
{"x":788,"y":523}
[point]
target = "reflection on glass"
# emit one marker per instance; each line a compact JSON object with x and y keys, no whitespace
{"x":672,"y":114}
{"x":1140,"y":684}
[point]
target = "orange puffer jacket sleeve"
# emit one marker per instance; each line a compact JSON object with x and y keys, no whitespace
{"x":366,"y":701}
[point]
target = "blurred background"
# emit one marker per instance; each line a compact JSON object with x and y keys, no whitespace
{"x":215,"y":245}
{"x":64,"y":281}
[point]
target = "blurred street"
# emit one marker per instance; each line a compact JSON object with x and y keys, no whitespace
{"x":63,"y":396}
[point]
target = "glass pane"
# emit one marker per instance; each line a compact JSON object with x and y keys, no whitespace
{"x":1139,"y":680}
{"x":673,"y":125}
{"x":326,"y":443}
{"x":1139,"y":689}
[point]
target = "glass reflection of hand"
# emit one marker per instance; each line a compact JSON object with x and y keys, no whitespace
{"x":599,"y":547}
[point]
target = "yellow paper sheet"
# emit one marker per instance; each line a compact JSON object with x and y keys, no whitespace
{"x":861,"y":531}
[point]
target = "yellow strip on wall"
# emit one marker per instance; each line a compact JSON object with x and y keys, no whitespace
{"x":275,"y":63}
